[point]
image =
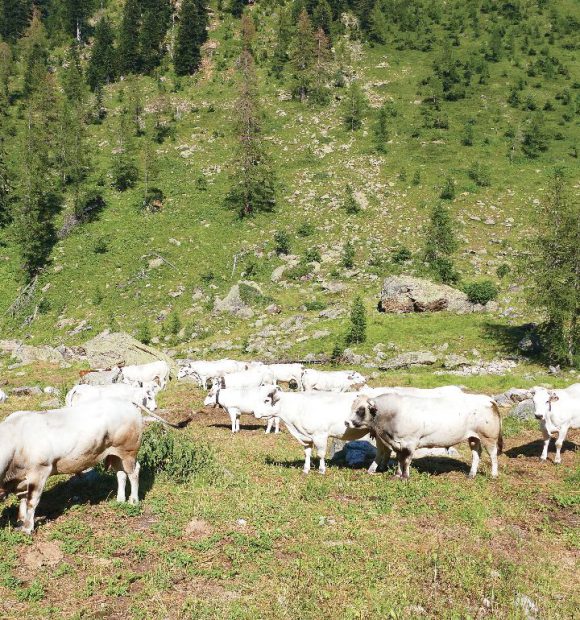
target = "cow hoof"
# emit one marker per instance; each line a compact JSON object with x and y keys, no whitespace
{"x":22,"y":530}
{"x":133,"y":501}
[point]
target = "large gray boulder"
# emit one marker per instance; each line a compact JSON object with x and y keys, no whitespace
{"x":412,"y":358}
{"x":27,"y":354}
{"x":402,"y":294}
{"x":104,"y":377}
{"x":239,"y":298}
{"x":524,"y":410}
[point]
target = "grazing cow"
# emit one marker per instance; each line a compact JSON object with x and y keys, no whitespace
{"x":286,"y":373}
{"x":242,"y":400}
{"x":558,"y":411}
{"x":312,"y":418}
{"x":154,"y":372}
{"x":136,"y":395}
{"x":247,"y":378}
{"x":331,"y":381}
{"x":404,"y":422}
{"x":203,"y":371}
{"x":413,"y":391}
{"x":37,"y":444}
{"x":3,"y":397}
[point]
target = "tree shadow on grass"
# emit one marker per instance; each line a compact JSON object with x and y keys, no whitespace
{"x":534,"y":449}
{"x":92,"y":488}
{"x":509,"y":336}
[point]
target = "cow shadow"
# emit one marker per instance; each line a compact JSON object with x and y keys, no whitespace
{"x":437,"y":465}
{"x":92,"y":488}
{"x":243,"y":427}
{"x":534,"y":449}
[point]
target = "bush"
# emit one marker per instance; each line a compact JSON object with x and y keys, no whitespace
{"x":312,"y":255}
{"x":176,"y":455}
{"x":445,"y":270}
{"x":153,"y":200}
{"x":101,"y":245}
{"x":347,"y":259}
{"x":144,"y":333}
{"x":479,"y":174}
{"x":337,"y":352}
{"x":401,"y":254}
{"x":351,"y":205}
{"x":315,"y":304}
{"x":503,"y":270}
{"x":207,"y":276}
{"x":282,"y":241}
{"x":298,"y":271}
{"x":125,"y":174}
{"x":481,"y":292}
{"x":174,"y":324}
{"x":357,"y":331}
{"x":305,"y":229}
{"x":448,"y":190}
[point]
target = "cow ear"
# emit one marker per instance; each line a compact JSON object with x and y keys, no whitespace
{"x":372,"y":407}
{"x":554,"y":397}
{"x":223,"y":382}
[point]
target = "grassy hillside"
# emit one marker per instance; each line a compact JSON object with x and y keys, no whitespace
{"x":102,"y":272}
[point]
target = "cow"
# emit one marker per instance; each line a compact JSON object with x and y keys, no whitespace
{"x":286,"y":373}
{"x":147,"y":374}
{"x":247,"y":378}
{"x":122,"y":391}
{"x":557,"y":411}
{"x":404,"y":422}
{"x":203,"y":371}
{"x":242,"y":400}
{"x":373,"y":392}
{"x":331,"y":381}
{"x":3,"y":397}
{"x":37,"y":444}
{"x":312,"y":418}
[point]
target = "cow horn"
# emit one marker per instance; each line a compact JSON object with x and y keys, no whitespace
{"x":372,"y":407}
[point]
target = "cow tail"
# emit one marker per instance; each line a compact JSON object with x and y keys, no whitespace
{"x":70,"y":396}
{"x":6,"y":456}
{"x":150,"y":414}
{"x":500,"y":436}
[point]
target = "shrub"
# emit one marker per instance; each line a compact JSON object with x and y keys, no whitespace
{"x":312,"y":255}
{"x":153,"y":200}
{"x":298,"y":271}
{"x":416,"y":180}
{"x":445,"y":270}
{"x":401,"y":254}
{"x":144,"y":333}
{"x":448,"y":190}
{"x":176,"y":455}
{"x":125,"y":174}
{"x":207,"y":276}
{"x":174,"y":324}
{"x":251,"y":295}
{"x":481,"y":292}
{"x":351,"y":205}
{"x":348,"y":255}
{"x":101,"y":245}
{"x":201,"y":183}
{"x":503,"y":270}
{"x":282,"y":241}
{"x":337,"y":352}
{"x":479,"y":174}
{"x":305,"y":229}
{"x":315,"y":304}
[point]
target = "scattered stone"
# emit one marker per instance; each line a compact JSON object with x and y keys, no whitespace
{"x":104,"y":377}
{"x":530,"y":344}
{"x":321,"y":333}
{"x":51,"y":390}
{"x":524,"y":410}
{"x":527,"y":606}
{"x":331,"y":313}
{"x":43,"y":554}
{"x":51,"y":403}
{"x":455,"y":361}
{"x":273,"y":309}
{"x":278,"y":273}
{"x":334,"y":287}
{"x":413,"y":358}
{"x":197,"y":528}
{"x":26,"y":390}
{"x":155,"y":263}
{"x":232,"y":303}
{"x":350,"y":357}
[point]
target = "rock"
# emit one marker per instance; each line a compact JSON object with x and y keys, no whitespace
{"x":357,"y":452}
{"x":331,"y":313}
{"x":154,"y":263}
{"x":232,"y":303}
{"x":26,"y":390}
{"x":334,"y":287}
{"x":524,"y":410}
{"x":402,"y":294}
{"x":413,"y":358}
{"x":530,"y":344}
{"x":278,"y":273}
{"x":350,"y":357}
{"x":104,"y":377}
{"x":455,"y":361}
{"x":528,"y":608}
{"x":502,"y":400}
{"x":321,"y":333}
{"x":27,"y":354}
{"x":273,"y":309}
{"x":43,"y":554}
{"x":119,"y":348}
{"x":517,"y":395}
{"x":51,"y":403}
{"x":51,"y":390}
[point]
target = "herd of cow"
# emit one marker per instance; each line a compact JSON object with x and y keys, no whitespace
{"x":103,"y":421}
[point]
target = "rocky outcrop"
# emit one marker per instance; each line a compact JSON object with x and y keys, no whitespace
{"x":26,"y":353}
{"x":412,"y":358}
{"x":403,"y":294}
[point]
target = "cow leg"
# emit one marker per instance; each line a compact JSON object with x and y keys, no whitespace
{"x":132,"y":467}
{"x":34,"y":492}
{"x":321,"y":451}
{"x":546,"y":436}
{"x":559,"y":442}
{"x":269,"y":425}
{"x":307,"y":455}
{"x":379,"y":458}
{"x":238,"y":416}
{"x":277,"y":424}
{"x":115,"y":463}
{"x":475,"y":445}
{"x":405,"y":458}
{"x":232,"y":414}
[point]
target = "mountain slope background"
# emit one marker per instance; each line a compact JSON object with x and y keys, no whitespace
{"x":160,"y":272}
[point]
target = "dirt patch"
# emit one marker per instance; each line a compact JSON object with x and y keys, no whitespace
{"x":198,"y":528}
{"x":42,"y":554}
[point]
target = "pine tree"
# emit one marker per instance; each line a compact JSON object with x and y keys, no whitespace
{"x":237,"y":7}
{"x":124,"y":166}
{"x":34,"y":45}
{"x":322,"y":17}
{"x":155,"y":18}
{"x":252,"y":181}
{"x":5,"y":186}
{"x":14,"y":17}
{"x":535,"y":137}
{"x":382,"y":129}
{"x":357,"y":331}
{"x":378,"y":25}
{"x":303,"y":58}
{"x":284,"y":37}
{"x":74,"y":15}
{"x":101,"y":68}
{"x":37,"y":199}
{"x":351,"y":205}
{"x":441,"y":244}
{"x":554,"y":268}
{"x":6,"y":67}
{"x":191,"y":35}
{"x":354,"y":107}
{"x":319,"y":91}
{"x":72,"y":78}
{"x":348,"y":253}
{"x":128,"y":57}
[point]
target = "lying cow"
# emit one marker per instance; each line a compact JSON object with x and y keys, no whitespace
{"x":373,"y":392}
{"x":35,"y":445}
{"x":331,"y":381}
{"x":404,"y":423}
{"x":147,"y":374}
{"x":558,"y":411}
{"x":122,"y":391}
{"x":203,"y":371}
{"x":287,"y":373}
{"x":247,"y":378}
{"x":312,"y":418}
{"x":242,"y":400}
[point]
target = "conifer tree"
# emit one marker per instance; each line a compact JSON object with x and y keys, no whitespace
{"x":6,"y":65}
{"x":252,"y":180}
{"x":357,"y":331}
{"x":124,"y":166}
{"x":34,"y":45}
{"x":237,"y":7}
{"x":128,"y":59}
{"x":322,"y":17}
{"x":5,"y":186}
{"x":535,"y":137}
{"x":319,"y":91}
{"x":354,"y":107}
{"x":74,"y":15}
{"x":554,"y":268}
{"x":101,"y":68}
{"x":303,"y":58}
{"x":284,"y":37}
{"x":378,"y":25}
{"x":441,"y":244}
{"x":14,"y":17}
{"x":73,"y":81}
{"x":191,"y":35}
{"x":155,"y":18}
{"x":382,"y":129}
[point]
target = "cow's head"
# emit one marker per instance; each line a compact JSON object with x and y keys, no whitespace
{"x":543,"y":400}
{"x":363,"y":413}
{"x":268,"y":402}
{"x":356,"y":379}
{"x":211,"y":399}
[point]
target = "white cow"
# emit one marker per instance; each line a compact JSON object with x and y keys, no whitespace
{"x":558,"y":411}
{"x":147,"y":374}
{"x":413,"y":391}
{"x":202,"y":371}
{"x":404,"y":422}
{"x":242,"y":400}
{"x":36,"y":445}
{"x":3,"y":397}
{"x":285,"y":373}
{"x":136,"y":395}
{"x":247,"y":378}
{"x":331,"y":381}
{"x":312,"y":418}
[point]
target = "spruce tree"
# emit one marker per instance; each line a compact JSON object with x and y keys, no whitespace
{"x":303,"y":58}
{"x":5,"y":186}
{"x":237,"y":7}
{"x":34,"y":45}
{"x":283,"y":39}
{"x":6,"y":67}
{"x":378,"y":25}
{"x":128,"y":58}
{"x":101,"y":68}
{"x":348,"y":254}
{"x":553,"y":266}
{"x":354,"y":107}
{"x":322,"y":17}
{"x":191,"y":34}
{"x":14,"y":17}
{"x":74,"y":15}
{"x":535,"y":137}
{"x":319,"y":91}
{"x":440,"y":244}
{"x":252,"y":180}
{"x":155,"y":18}
{"x":351,"y":205}
{"x":72,"y":78}
{"x":357,"y":331}
{"x":381,"y":129}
